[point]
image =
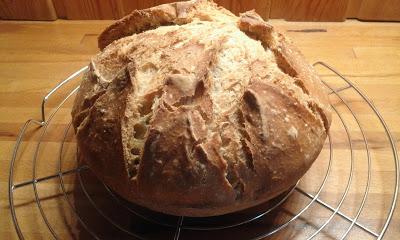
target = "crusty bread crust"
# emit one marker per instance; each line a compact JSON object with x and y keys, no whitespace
{"x":190,"y":110}
{"x":166,"y":14}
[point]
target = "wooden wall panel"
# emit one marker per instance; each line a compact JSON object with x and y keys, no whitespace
{"x":128,"y":5}
{"x":27,"y":9}
{"x":93,"y":9}
{"x":352,"y":8}
{"x":388,"y":10}
{"x":292,"y":10}
{"x":114,"y":9}
{"x":316,"y":10}
{"x":278,"y":9}
{"x":262,"y":7}
{"x":59,"y":5}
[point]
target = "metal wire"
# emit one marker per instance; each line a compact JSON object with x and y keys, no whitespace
{"x":368,"y":157}
{"x":62,"y":83}
{"x":282,"y":226}
{"x":201,"y":228}
{"x":348,"y":180}
{"x":178,"y":228}
{"x":180,"y":222}
{"x":115,"y":224}
{"x":391,"y":141}
{"x":93,"y":234}
{"x":11,"y":185}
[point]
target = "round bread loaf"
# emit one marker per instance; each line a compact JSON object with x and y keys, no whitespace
{"x":190,"y":110}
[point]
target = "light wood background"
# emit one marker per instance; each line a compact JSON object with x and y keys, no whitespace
{"x":31,"y":63}
{"x":292,"y":10}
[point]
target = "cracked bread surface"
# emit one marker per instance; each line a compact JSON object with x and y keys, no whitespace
{"x":190,"y":110}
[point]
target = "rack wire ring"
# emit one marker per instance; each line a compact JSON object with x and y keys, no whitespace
{"x":180,"y":223}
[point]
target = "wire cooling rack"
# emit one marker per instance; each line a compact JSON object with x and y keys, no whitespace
{"x":308,"y":210}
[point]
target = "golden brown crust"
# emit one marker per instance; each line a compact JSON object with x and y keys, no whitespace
{"x":214,"y":115}
{"x":98,"y":131}
{"x":290,"y":60}
{"x":166,"y":14}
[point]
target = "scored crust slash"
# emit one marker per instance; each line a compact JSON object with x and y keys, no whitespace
{"x":190,"y":110}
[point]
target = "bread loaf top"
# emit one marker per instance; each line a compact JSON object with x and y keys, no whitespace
{"x":191,"y":110}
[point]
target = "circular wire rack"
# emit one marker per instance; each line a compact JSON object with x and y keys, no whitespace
{"x":129,"y":221}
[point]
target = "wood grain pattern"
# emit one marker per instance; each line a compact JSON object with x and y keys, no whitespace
{"x":27,"y":9}
{"x":261,"y":7}
{"x":93,"y":9}
{"x":30,"y":65}
{"x":313,"y":10}
{"x":388,"y":10}
{"x":316,"y":10}
{"x":128,"y":6}
{"x":115,"y":9}
{"x":278,"y":9}
{"x":61,"y":11}
{"x":292,"y":10}
{"x":352,"y":8}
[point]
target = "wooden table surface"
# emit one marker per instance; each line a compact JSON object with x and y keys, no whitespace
{"x":34,"y":56}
